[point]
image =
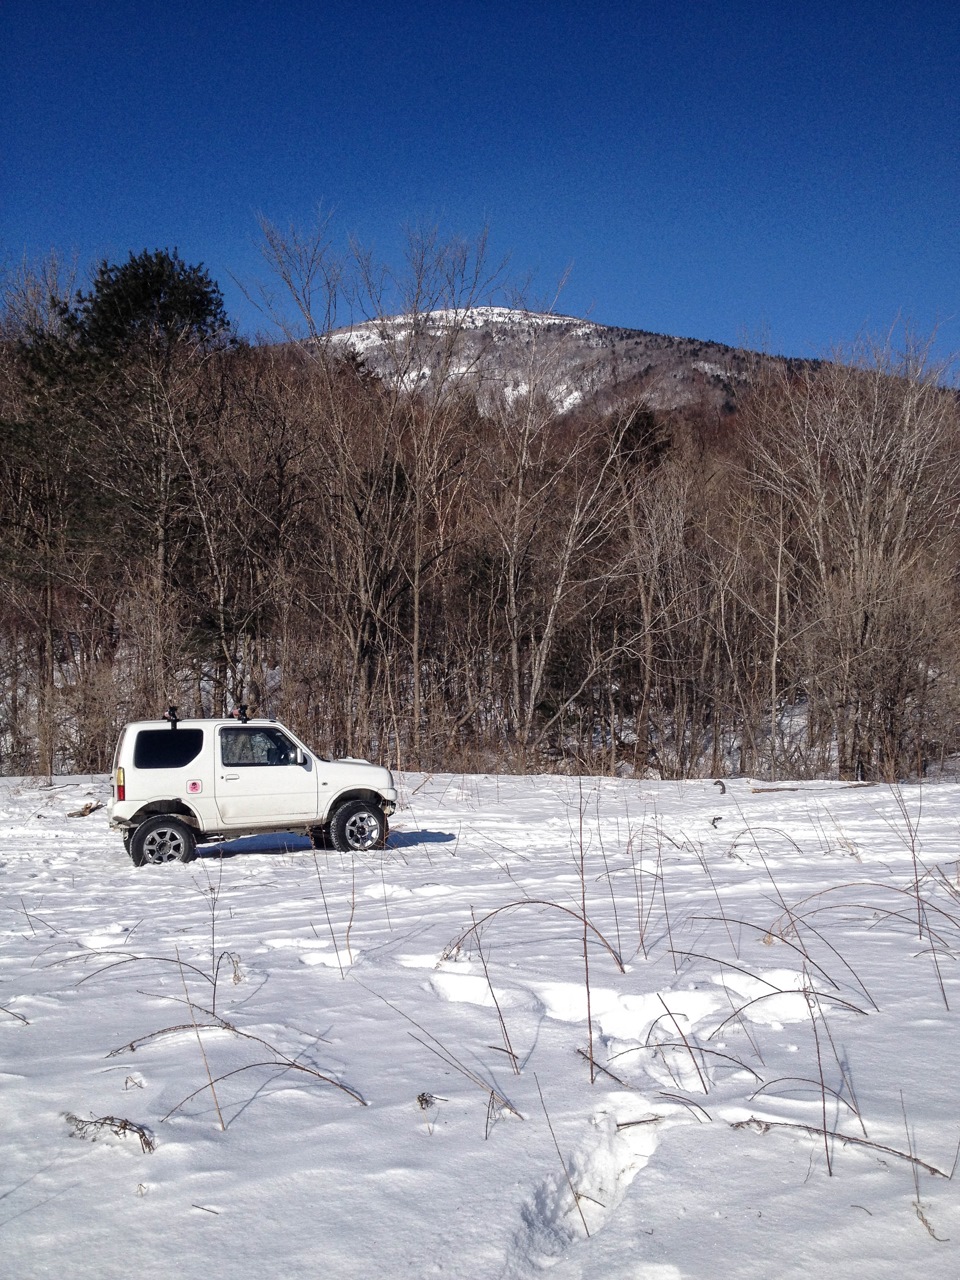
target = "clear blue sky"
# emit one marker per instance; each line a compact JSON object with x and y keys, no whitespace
{"x":782,"y":174}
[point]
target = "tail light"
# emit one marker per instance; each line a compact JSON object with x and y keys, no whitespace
{"x":121,"y":784}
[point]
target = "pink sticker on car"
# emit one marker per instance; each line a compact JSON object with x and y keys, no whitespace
{"x":194,"y":787}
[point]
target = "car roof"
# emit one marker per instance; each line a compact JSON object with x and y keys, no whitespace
{"x":211,"y":722}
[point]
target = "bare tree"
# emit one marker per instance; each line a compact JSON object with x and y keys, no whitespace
{"x":857,"y":466}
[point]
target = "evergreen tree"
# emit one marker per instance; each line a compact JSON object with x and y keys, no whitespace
{"x":154,"y":302}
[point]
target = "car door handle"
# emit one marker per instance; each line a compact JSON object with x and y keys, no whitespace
{"x":230,"y":777}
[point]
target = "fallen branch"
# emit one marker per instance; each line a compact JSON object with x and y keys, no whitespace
{"x":87,"y":809}
{"x":93,"y":1127}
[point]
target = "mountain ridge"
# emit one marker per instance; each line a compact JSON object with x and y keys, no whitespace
{"x":509,"y":352}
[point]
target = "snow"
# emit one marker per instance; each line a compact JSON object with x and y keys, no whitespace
{"x":369,"y":334}
{"x":372,"y":339}
{"x":788,"y":965}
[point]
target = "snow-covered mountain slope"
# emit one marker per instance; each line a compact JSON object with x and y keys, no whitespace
{"x":499,"y":350}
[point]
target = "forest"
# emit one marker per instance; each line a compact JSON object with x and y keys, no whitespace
{"x":413,"y":572}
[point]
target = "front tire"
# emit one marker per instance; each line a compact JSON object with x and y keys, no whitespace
{"x":162,"y":839}
{"x":357,"y":826}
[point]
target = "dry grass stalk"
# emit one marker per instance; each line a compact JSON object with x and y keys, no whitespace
{"x":535,"y":902}
{"x":563,"y":1165}
{"x":495,"y":1099}
{"x":586,"y":949}
{"x":764,"y":1126}
{"x":496,"y":1004}
{"x":326,"y":911}
{"x":203,"y":1054}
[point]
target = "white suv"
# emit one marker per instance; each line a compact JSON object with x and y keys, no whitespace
{"x":177,"y":783}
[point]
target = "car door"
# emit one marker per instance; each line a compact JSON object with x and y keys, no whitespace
{"x":263,"y":778}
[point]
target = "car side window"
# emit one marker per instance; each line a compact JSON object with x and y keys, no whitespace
{"x":166,"y":748}
{"x":242,"y":747}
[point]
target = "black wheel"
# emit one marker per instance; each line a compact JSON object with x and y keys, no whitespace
{"x":127,"y":833}
{"x":357,"y":826}
{"x":162,"y":839}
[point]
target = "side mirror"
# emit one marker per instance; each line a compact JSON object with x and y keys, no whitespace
{"x":299,"y":757}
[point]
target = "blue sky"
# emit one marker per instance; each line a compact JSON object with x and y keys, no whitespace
{"x":777,"y":174}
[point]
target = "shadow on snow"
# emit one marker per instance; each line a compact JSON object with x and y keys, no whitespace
{"x":289,"y":842}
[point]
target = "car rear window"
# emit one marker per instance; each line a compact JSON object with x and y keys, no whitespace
{"x":166,"y":748}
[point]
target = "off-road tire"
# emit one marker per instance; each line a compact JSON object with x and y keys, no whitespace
{"x":358,"y":826}
{"x":162,"y":839}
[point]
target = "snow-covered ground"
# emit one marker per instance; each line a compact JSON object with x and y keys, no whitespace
{"x":400,"y":1043}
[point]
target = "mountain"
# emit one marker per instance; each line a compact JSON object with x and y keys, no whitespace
{"x":503,"y":351}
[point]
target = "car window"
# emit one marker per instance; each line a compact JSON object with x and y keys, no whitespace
{"x":250,"y":746}
{"x":166,"y":748}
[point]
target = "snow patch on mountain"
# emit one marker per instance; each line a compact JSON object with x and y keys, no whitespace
{"x":506,"y":353}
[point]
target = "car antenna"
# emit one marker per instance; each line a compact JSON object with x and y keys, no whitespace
{"x":171,"y":715}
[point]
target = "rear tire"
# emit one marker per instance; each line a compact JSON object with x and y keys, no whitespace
{"x":162,"y":839}
{"x":358,"y":826}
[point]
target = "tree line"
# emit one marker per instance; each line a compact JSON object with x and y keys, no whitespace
{"x":444,"y":576}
